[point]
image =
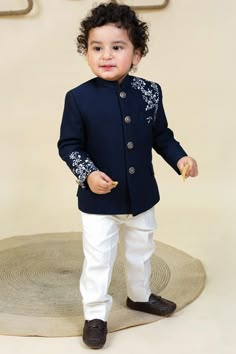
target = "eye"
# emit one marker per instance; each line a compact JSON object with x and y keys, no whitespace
{"x":117,"y":47}
{"x":97,"y":49}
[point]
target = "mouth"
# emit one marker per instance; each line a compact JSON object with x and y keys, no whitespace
{"x":107,"y":67}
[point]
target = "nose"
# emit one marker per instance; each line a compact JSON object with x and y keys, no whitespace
{"x":107,"y":53}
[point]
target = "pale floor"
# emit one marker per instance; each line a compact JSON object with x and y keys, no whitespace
{"x":206,"y":326}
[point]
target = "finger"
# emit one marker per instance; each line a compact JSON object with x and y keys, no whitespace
{"x":193,"y":172}
{"x":105,"y":187}
{"x":104,"y":191}
{"x":106,"y":178}
{"x":114,"y":184}
{"x":108,"y":185}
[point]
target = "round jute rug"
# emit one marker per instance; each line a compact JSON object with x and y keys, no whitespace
{"x":39,"y":282}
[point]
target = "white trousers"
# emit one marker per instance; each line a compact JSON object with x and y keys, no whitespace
{"x":100,"y":240}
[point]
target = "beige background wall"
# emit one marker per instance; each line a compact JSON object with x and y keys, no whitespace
{"x":192,"y":56}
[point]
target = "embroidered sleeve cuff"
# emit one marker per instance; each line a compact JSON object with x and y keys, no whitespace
{"x":81,"y":167}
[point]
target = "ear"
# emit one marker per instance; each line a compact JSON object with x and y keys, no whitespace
{"x":136,"y":57}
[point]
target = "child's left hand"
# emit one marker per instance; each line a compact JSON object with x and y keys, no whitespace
{"x":189,"y":163}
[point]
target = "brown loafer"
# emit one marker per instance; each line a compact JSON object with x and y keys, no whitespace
{"x":95,"y":333}
{"x":156,"y":306}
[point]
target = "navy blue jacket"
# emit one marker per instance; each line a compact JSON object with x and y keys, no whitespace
{"x":114,"y":129}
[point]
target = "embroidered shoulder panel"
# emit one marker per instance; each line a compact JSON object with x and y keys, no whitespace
{"x":150,"y":94}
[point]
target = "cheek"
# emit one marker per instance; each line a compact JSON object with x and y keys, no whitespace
{"x":90,"y":60}
{"x":91,"y":56}
{"x":126,"y":61}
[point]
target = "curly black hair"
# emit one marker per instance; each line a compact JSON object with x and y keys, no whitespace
{"x":123,"y":16}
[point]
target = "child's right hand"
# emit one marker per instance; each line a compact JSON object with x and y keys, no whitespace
{"x":100,"y":183}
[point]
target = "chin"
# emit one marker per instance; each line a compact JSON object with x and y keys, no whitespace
{"x":109,"y":77}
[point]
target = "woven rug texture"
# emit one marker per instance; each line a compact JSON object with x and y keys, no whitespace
{"x":39,"y":282}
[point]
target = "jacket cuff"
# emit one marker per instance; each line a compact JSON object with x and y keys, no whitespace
{"x":81,"y":168}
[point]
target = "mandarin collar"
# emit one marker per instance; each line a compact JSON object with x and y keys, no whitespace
{"x":114,"y":84}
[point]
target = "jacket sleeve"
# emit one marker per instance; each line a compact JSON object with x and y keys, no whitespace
{"x":72,"y":142}
{"x":164,"y":142}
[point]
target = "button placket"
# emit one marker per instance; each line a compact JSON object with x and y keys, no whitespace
{"x":130,"y":144}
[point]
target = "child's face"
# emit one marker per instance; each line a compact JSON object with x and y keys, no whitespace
{"x":110,"y":52}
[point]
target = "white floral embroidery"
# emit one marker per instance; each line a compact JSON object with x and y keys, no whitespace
{"x":150,"y":95}
{"x":81,"y":168}
{"x":149,"y":119}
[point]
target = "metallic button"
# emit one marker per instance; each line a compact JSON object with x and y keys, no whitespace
{"x":130,"y":145}
{"x":127,"y":119}
{"x":131,"y":170}
{"x":122,"y":94}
